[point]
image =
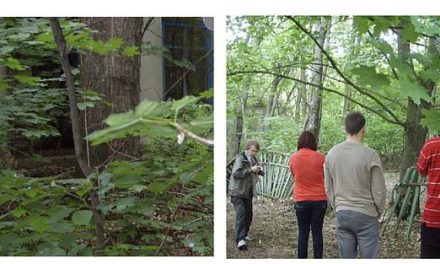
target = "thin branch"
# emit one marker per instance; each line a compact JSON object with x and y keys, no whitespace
{"x":372,"y":92}
{"x":386,"y":58}
{"x":205,"y":141}
{"x":122,"y":153}
{"x":185,"y":74}
{"x":392,"y":121}
{"x":60,"y":41}
{"x":147,"y":25}
{"x":171,"y":223}
{"x":333,"y":63}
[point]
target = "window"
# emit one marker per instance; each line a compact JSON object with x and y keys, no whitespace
{"x":187,"y":38}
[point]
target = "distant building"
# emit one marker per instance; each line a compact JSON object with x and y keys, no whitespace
{"x":186,"y":38}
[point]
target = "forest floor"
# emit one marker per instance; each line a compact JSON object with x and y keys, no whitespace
{"x":275,"y":228}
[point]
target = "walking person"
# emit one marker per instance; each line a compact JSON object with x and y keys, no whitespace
{"x":306,"y":166}
{"x":355,"y":187}
{"x":244,"y":177}
{"x":428,"y":165}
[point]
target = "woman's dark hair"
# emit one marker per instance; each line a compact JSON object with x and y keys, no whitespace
{"x":307,"y":140}
{"x":354,"y":122}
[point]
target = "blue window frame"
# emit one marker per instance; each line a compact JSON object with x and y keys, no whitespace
{"x":187,"y":38}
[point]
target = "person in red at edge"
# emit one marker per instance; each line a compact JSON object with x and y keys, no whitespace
{"x":306,"y":166}
{"x":429,"y":165}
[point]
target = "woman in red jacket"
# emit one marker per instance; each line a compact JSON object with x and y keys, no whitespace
{"x":306,"y":166}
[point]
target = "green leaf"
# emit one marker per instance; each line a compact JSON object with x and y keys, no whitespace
{"x":62,"y":228}
{"x":186,"y":177}
{"x":82,"y":106}
{"x":82,"y":217}
{"x":52,"y":251}
{"x":413,"y":90}
{"x":114,"y":43}
{"x":207,"y":94}
{"x":123,"y":204}
{"x":59,"y":213}
{"x":40,"y":224}
{"x":362,"y":24}
{"x":13,"y":64}
{"x":3,"y":84}
{"x":431,"y":120}
{"x":187,"y":100}
{"x":84,"y":188}
{"x":368,"y":76}
{"x":128,"y":181}
{"x":130,"y":51}
{"x":120,"y":119}
{"x":157,"y":187}
{"x":18,"y":212}
{"x":29,"y":80}
{"x":409,"y":33}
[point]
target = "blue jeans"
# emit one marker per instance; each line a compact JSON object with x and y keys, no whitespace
{"x":243,"y":216}
{"x":310,"y":214}
{"x":353,"y":230}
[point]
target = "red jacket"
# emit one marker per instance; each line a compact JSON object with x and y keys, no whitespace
{"x":306,"y":166}
{"x":429,"y":164}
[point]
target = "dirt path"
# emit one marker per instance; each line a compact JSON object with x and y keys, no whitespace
{"x":275,"y":229}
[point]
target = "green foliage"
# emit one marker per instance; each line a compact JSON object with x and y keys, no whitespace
{"x":431,"y":120}
{"x":365,"y":49}
{"x":141,"y":200}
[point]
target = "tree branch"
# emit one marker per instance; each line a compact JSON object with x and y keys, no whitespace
{"x":386,"y":58}
{"x":147,"y":25}
{"x":372,"y":92}
{"x":392,"y":121}
{"x":194,"y":136}
{"x":185,"y":74}
{"x":340,"y":73}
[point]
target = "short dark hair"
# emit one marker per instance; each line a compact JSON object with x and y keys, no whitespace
{"x":307,"y":140}
{"x":354,"y":122}
{"x":251,"y":143}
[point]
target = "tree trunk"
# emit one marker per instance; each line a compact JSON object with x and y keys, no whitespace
{"x":301,"y":100}
{"x":76,"y":130}
{"x":348,"y":89}
{"x":415,"y":134}
{"x":238,"y":125}
{"x":313,"y":122}
{"x":271,"y":102}
{"x":117,"y":77}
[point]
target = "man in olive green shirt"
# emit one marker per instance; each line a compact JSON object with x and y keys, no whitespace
{"x":242,"y":189}
{"x":355,"y":188}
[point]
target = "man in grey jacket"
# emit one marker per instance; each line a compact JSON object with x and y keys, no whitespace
{"x":242,"y":188}
{"x":355,"y":188}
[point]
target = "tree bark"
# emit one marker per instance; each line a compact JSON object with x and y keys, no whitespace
{"x":415,"y":134}
{"x":313,"y":122}
{"x":76,"y":130}
{"x":238,"y":125}
{"x":117,"y":77}
{"x":301,"y":100}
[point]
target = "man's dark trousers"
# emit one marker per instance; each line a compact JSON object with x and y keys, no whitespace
{"x":243,"y":216}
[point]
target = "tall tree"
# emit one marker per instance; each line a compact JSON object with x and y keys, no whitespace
{"x":74,"y":117}
{"x":313,"y":122}
{"x":415,"y":133}
{"x":117,"y":77}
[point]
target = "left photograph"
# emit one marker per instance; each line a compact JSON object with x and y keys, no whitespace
{"x":106,"y":136}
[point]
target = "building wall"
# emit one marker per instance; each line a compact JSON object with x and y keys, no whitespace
{"x":152,"y":65}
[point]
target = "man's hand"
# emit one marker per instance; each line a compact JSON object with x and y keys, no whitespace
{"x":255,"y":168}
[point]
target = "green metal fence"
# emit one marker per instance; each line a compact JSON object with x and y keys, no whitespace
{"x":277,"y":181}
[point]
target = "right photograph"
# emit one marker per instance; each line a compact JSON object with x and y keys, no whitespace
{"x":333,"y":137}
